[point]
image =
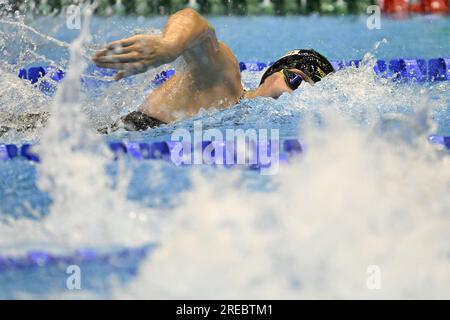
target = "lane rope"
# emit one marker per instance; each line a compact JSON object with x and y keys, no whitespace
{"x":402,"y":69}
{"x":168,"y":150}
{"x":39,"y":259}
{"x":214,"y":152}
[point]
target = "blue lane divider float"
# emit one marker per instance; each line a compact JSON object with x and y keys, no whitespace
{"x":35,"y":73}
{"x":440,"y":140}
{"x":36,"y":259}
{"x":165,"y":150}
{"x":396,"y":69}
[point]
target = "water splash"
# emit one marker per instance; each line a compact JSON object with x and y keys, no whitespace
{"x":85,"y":211}
{"x":316,"y":235}
{"x":365,"y":193}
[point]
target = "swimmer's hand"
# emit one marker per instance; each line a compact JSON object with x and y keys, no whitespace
{"x":136,"y":54}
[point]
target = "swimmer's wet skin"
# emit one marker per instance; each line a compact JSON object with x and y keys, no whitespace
{"x":211,"y":78}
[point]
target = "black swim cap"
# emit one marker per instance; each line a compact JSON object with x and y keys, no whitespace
{"x":312,"y":63}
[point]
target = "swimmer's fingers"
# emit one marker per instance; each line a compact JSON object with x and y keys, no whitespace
{"x":122,"y":65}
{"x":117,"y":47}
{"x":127,"y":57}
{"x":101,"y":53}
{"x":125,"y":73}
{"x":122,"y":43}
{"x":129,"y":72}
{"x":120,"y":75}
{"x":117,"y":50}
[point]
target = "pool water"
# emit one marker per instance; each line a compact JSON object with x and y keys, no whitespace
{"x":369,"y":191}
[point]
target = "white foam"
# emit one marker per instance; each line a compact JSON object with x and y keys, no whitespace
{"x":352,"y":201}
{"x":357,"y":198}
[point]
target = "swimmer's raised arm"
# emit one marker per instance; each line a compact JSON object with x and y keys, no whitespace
{"x":185,"y":32}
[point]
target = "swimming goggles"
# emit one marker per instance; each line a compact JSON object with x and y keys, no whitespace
{"x":292,"y":79}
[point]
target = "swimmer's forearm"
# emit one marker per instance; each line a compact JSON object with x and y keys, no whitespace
{"x":185,"y":29}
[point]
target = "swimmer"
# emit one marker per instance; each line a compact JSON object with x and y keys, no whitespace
{"x":212,"y":77}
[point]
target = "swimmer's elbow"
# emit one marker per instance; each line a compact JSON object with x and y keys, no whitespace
{"x":189,"y":12}
{"x":194,"y":17}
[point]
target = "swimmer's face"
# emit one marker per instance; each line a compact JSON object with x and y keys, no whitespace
{"x":275,"y":85}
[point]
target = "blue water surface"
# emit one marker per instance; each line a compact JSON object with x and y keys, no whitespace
{"x":251,"y":39}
